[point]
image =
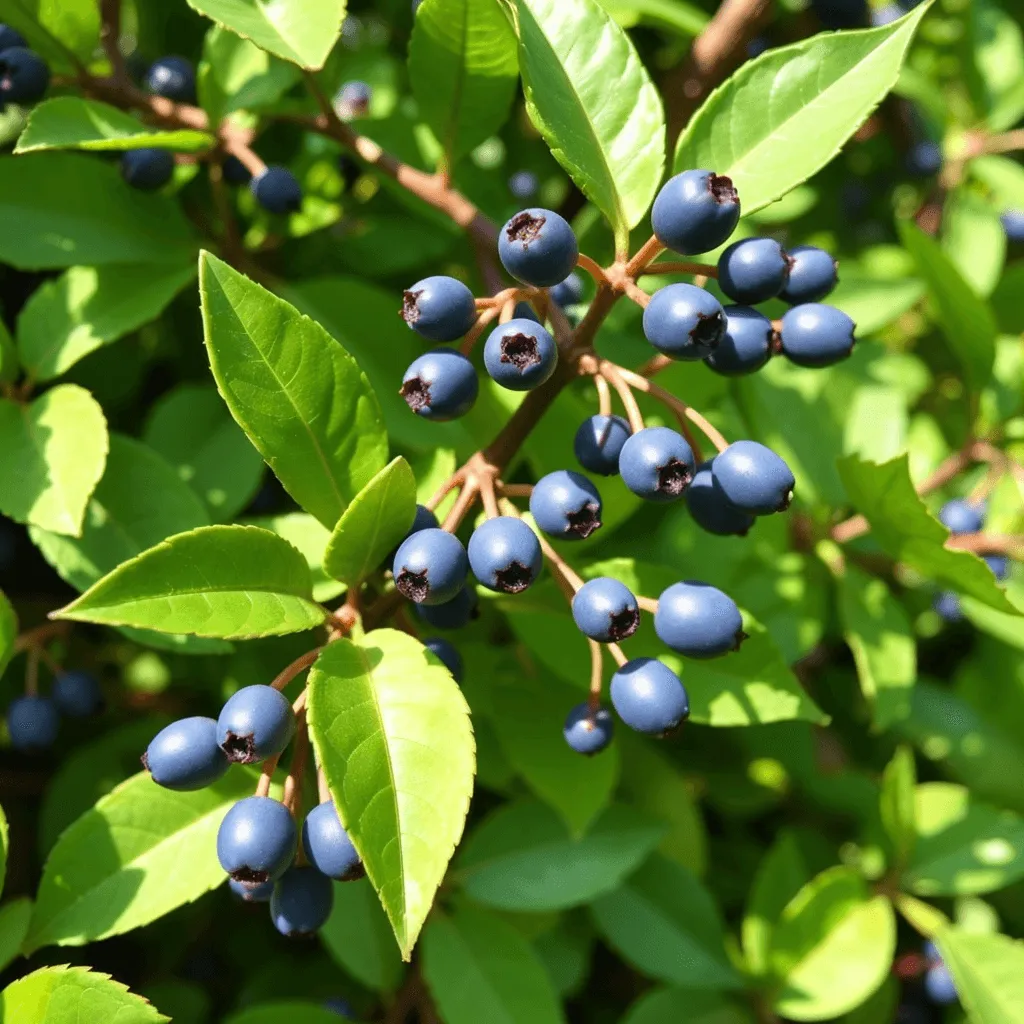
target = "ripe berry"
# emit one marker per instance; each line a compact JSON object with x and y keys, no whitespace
{"x":235,"y":172}
{"x":598,"y":443}
{"x":77,"y":694}
{"x":24,"y":76}
{"x":505,"y":555}
{"x":568,"y":292}
{"x":302,"y":902}
{"x":440,"y":385}
{"x":959,"y":516}
{"x":277,"y":190}
{"x":423,"y":520}
{"x":684,"y":321}
{"x":10,"y":37}
{"x":657,"y":464}
{"x":524,"y":311}
{"x":185,"y":755}
{"x":812,"y":275}
{"x":251,"y":893}
{"x":753,"y":478}
{"x":523,"y":184}
{"x":711,"y":509}
{"x":32,"y":723}
{"x":257,"y":840}
{"x":606,"y":610}
{"x":1013,"y":225}
{"x":520,"y":355}
{"x":173,"y":78}
{"x":430,"y":567}
{"x":816,"y":335}
{"x":999,"y":564}
{"x":753,"y":270}
{"x":695,"y":211}
{"x":354,"y":99}
{"x":947,"y":605}
{"x":446,"y":652}
{"x":538,"y":247}
{"x":566,"y":505}
{"x":147,"y":169}
{"x":586,"y":731}
{"x":924,"y":159}
{"x":453,"y":614}
{"x":648,"y":696}
{"x":746,"y":344}
{"x":931,"y":952}
{"x":439,"y":308}
{"x":327,"y":845}
{"x":698,"y":620}
{"x":257,"y":722}
{"x":939,"y":985}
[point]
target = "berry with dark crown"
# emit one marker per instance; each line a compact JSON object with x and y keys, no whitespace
{"x":277,"y":190}
{"x":327,"y":846}
{"x":657,"y":464}
{"x":816,"y":335}
{"x":605,"y":610}
{"x":77,"y":694}
{"x":147,"y":169}
{"x":753,"y":270}
{"x":505,"y":555}
{"x":745,"y":345}
{"x":695,"y":212}
{"x":711,"y":509}
{"x":684,"y":322}
{"x":440,"y":385}
{"x":302,"y":901}
{"x":598,"y":443}
{"x":566,"y":505}
{"x":538,"y":247}
{"x":174,"y":78}
{"x":520,"y":355}
{"x":32,"y":723}
{"x":257,"y":840}
{"x":649,"y":697}
{"x":255,"y":723}
{"x":698,"y":620}
{"x":439,"y":308}
{"x":448,"y":655}
{"x":185,"y":755}
{"x":813,"y":273}
{"x":588,"y":731}
{"x":430,"y":567}
{"x":753,"y":478}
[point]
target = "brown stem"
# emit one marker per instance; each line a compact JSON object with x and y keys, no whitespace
{"x":604,"y":395}
{"x":239,"y":148}
{"x":40,"y":635}
{"x":637,"y":294}
{"x":564,"y":572}
{"x":989,"y":544}
{"x":445,"y":489}
{"x":32,"y":672}
{"x":477,"y":329}
{"x":300,"y":664}
{"x":463,"y":503}
{"x":704,"y":270}
{"x":267,"y":775}
{"x":654,"y":366}
{"x":596,"y":675}
{"x":488,"y":497}
{"x":233,"y":248}
{"x":617,"y":654}
{"x":292,"y":796}
{"x":323,"y":791}
{"x":593,"y":268}
{"x":648,"y":604}
{"x":515,"y":490}
{"x":611,"y":373}
{"x":1005,"y":142}
{"x":850,"y":529}
{"x":647,"y":253}
{"x":110,"y":36}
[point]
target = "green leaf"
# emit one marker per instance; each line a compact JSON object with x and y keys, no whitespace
{"x":8,"y":636}
{"x":665,"y":923}
{"x":301,"y":398}
{"x":873,"y":303}
{"x":358,"y":936}
{"x":974,"y":240}
{"x":292,"y":1011}
{"x":52,"y":455}
{"x":673,"y":1005}
{"x":307,"y":534}
{"x":1003,"y":179}
{"x":678,"y":16}
{"x":998,"y":57}
{"x":51,"y":25}
{"x":479,"y":968}
{"x":522,"y":857}
{"x":301,"y":31}
{"x":392,"y":733}
{"x":231,"y":582}
{"x":67,"y":209}
{"x":9,"y":365}
{"x":67,"y":318}
{"x":15,"y":916}
{"x":897,"y":805}
{"x":989,"y":974}
{"x":783,"y":116}
{"x":463,"y":71}
{"x":611,"y":141}
{"x":67,"y":995}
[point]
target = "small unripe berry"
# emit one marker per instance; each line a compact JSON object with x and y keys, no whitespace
{"x":588,"y":731}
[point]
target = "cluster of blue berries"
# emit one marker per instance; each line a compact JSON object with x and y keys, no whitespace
{"x":33,"y":720}
{"x":961,"y":516}
{"x":24,"y":75}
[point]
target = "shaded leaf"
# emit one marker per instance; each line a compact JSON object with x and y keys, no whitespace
{"x":359,"y":937}
{"x":897,"y":803}
{"x":293,"y":1011}
{"x":974,"y":239}
{"x":8,"y":636}
{"x":672,"y":1005}
{"x":15,"y":916}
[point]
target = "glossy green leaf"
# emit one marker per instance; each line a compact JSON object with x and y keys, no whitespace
{"x":310,"y":536}
{"x":897,"y":803}
{"x":15,"y":916}
{"x":359,"y":937}
{"x":786,"y":114}
{"x":292,"y":1010}
{"x":672,"y":1005}
{"x":8,"y":634}
{"x":230,"y":582}
{"x":52,"y":454}
{"x":611,"y":141}
{"x":989,"y":974}
{"x":301,"y":398}
{"x":974,"y":240}
{"x":51,"y":25}
{"x":997,"y":44}
{"x":392,"y":732}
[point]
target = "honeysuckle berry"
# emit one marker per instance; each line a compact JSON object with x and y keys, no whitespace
{"x":753,"y":478}
{"x":695,"y":211}
{"x":251,"y":893}
{"x":520,"y":355}
{"x":939,"y":985}
{"x":430,"y":567}
{"x":448,"y":655}
{"x":960,"y":516}
{"x":453,"y":614}
{"x":185,"y":755}
{"x":354,"y":99}
{"x":77,"y":694}
{"x":588,"y":731}
{"x":147,"y":169}
{"x":684,"y":322}
{"x":538,"y":247}
{"x":948,"y":607}
{"x":24,"y":76}
{"x":174,"y":78}
{"x":711,"y":510}
{"x":568,"y":292}
{"x":745,"y":345}
{"x":10,"y":37}
{"x":753,"y":270}
{"x":439,"y":308}
{"x":424,"y":519}
{"x":32,"y":723}
{"x":816,"y":335}
{"x":698,"y":620}
{"x":999,"y":564}
{"x":605,"y":610}
{"x":1013,"y":225}
{"x":566,"y":505}
{"x":523,"y":184}
{"x":440,"y":385}
{"x":598,"y":443}
{"x":302,"y":901}
{"x":277,"y":190}
{"x":656,"y":464}
{"x":257,"y":840}
{"x":505,"y":555}
{"x":255,"y":723}
{"x":813,"y":273}
{"x":524,"y":311}
{"x":649,"y":697}
{"x":924,"y":159}
{"x":327,"y":845}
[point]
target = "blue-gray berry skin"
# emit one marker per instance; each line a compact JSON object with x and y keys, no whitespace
{"x":813,"y":273}
{"x":423,"y":520}
{"x":566,"y":505}
{"x":588,"y":731}
{"x":698,"y":620}
{"x":147,"y":169}
{"x":32,"y":723}
{"x":815,"y":335}
{"x":354,"y":98}
{"x":753,"y":270}
{"x":440,"y":385}
{"x":520,"y":355}
{"x":648,"y":696}
{"x":10,"y":37}
{"x":939,"y":985}
{"x":277,"y":190}
{"x":711,"y":510}
{"x":999,"y":564}
{"x":695,"y":211}
{"x":327,"y":845}
{"x":605,"y":610}
{"x":453,"y":614}
{"x":255,"y":723}
{"x":598,"y":443}
{"x":251,"y":893}
{"x":746,"y":344}
{"x":430,"y":567}
{"x":302,"y":902}
{"x":524,"y":311}
{"x":924,"y":159}
{"x":24,"y":76}
{"x":439,"y":308}
{"x":684,"y":322}
{"x":657,"y":464}
{"x":505,"y":555}
{"x":538,"y":247}
{"x":185,"y":755}
{"x":77,"y":694}
{"x":959,"y":516}
{"x":1013,"y":225}
{"x":947,"y":605}
{"x":173,"y":78}
{"x":448,"y":655}
{"x":568,"y":292}
{"x":753,"y":478}
{"x":523,"y":184}
{"x":257,"y":840}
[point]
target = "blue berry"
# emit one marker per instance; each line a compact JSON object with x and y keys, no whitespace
{"x":77,"y":694}
{"x":32,"y":723}
{"x":524,"y":311}
{"x":520,"y":355}
{"x":257,"y":840}
{"x":538,"y":247}
{"x":354,"y":99}
{"x":657,"y":464}
{"x":440,"y":385}
{"x":439,"y":308}
{"x":24,"y":76}
{"x":931,"y":952}
{"x":566,"y":505}
{"x":185,"y":755}
{"x":251,"y":893}
{"x":568,"y":292}
{"x":695,"y":211}
{"x":939,"y":985}
{"x":10,"y":37}
{"x":586,"y":731}
{"x":959,"y":516}
{"x":523,"y":184}
{"x":423,"y":520}
{"x":710,"y":508}
{"x":430,"y":567}
{"x":173,"y":78}
{"x":812,"y":275}
{"x":327,"y":845}
{"x":648,"y":696}
{"x":606,"y":610}
{"x":947,"y":605}
{"x":999,"y":564}
{"x":698,"y":620}
{"x":924,"y":159}
{"x":753,"y":478}
{"x":684,"y":321}
{"x":505,"y":555}
{"x":255,"y":723}
{"x":448,"y":655}
{"x":453,"y":614}
{"x":302,"y":902}
{"x":235,"y":172}
{"x":753,"y":270}
{"x":1013,"y":225}
{"x":147,"y":169}
{"x":277,"y":190}
{"x":599,"y":442}
{"x":746,"y":344}
{"x":338,"y":1005}
{"x":816,"y":335}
